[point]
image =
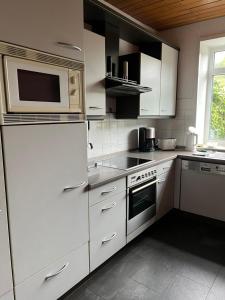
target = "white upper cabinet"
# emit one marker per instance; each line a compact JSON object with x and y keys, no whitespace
{"x":5,"y":264}
{"x":41,"y":24}
{"x":94,"y":46}
{"x":168,"y":81}
{"x":46,"y":172}
{"x":150,"y":76}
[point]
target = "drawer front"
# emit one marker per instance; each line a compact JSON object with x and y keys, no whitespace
{"x":8,"y":296}
{"x":165,"y":167}
{"x":107,"y":245}
{"x":106,"y":190}
{"x":105,"y":215}
{"x":54,"y":281}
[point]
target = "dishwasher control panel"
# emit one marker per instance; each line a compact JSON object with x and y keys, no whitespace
{"x":203,"y":167}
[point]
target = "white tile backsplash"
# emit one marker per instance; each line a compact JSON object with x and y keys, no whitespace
{"x":113,"y":135}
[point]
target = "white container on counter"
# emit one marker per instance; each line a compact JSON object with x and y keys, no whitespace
{"x":167,"y":144}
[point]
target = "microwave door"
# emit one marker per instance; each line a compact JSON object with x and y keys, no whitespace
{"x":35,"y":87}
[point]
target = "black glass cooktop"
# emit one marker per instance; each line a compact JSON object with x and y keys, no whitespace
{"x":124,"y":162}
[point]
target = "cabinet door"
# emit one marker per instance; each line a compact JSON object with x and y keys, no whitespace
{"x":150,"y":76}
{"x":40,"y":25}
{"x":8,"y":296}
{"x":165,"y":193}
{"x":94,"y":46}
{"x":5,"y":264}
{"x":168,"y":81}
{"x":46,"y":221}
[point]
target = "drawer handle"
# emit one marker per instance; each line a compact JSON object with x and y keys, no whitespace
{"x":109,"y":191}
{"x":50,"y":276}
{"x":106,"y":240}
{"x":71,"y":188}
{"x":70,"y":46}
{"x":108,"y":207}
{"x":95,"y":107}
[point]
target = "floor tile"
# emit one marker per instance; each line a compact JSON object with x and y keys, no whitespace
{"x":155,"y":277}
{"x":185,"y":289}
{"x":83,"y":293}
{"x":218,"y":288}
{"x":200,"y":270}
{"x":135,"y":291}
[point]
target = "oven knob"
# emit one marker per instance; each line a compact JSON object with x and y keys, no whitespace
{"x":146,"y":175}
{"x":138,"y":178}
{"x":149,"y":173}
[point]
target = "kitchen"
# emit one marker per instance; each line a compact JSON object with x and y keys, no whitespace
{"x":112,"y":155}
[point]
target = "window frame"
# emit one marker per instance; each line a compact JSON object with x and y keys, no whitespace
{"x":209,"y":93}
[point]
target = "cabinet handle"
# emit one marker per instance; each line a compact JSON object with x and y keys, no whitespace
{"x":95,"y":107}
{"x":106,"y":240}
{"x":70,"y":188}
{"x":144,"y":109}
{"x":110,"y":191}
{"x":50,"y":276}
{"x":108,"y":207}
{"x":70,"y":46}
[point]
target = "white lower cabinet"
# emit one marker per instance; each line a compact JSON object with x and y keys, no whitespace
{"x":53,"y":281}
{"x":8,"y":296}
{"x":107,"y":228}
{"x":5,"y":262}
{"x":46,"y":179}
{"x":165,"y":189}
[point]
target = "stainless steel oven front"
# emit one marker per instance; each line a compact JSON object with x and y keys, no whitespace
{"x":141,"y":198}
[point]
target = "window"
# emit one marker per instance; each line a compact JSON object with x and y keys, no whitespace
{"x":215,"y":104}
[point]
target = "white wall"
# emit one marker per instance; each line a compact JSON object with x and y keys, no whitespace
{"x":187,"y":38}
{"x":113,"y":135}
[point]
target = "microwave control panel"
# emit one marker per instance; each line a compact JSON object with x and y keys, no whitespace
{"x":141,"y":176}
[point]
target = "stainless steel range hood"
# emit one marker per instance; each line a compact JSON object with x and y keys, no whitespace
{"x":116,"y":86}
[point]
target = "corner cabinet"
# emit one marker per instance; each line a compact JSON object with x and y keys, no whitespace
{"x":169,"y":58}
{"x":6,"y":284}
{"x":95,"y":98}
{"x":46,"y":175}
{"x":46,"y":24}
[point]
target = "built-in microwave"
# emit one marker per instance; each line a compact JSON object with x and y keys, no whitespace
{"x":33,"y":82}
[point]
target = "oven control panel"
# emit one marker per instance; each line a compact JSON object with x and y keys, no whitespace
{"x":141,"y":176}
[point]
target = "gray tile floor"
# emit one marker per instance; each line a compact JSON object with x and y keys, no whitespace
{"x":179,"y":258}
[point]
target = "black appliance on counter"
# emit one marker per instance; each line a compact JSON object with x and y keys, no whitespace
{"x":147,"y":139}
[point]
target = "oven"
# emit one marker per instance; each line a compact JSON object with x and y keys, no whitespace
{"x":141,"y":198}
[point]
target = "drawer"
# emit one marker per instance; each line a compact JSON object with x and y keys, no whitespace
{"x":106,"y":190}
{"x":104,"y":247}
{"x":164,"y":167}
{"x":8,"y":296}
{"x":105,"y":215}
{"x":54,"y":281}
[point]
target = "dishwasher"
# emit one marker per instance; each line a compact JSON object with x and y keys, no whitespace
{"x":203,"y":189}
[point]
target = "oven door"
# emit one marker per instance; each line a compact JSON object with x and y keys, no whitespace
{"x":141,"y":204}
{"x":35,"y":87}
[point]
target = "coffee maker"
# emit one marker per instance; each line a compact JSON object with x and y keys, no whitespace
{"x":146,"y":139}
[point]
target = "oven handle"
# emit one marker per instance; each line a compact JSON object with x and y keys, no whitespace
{"x":144,"y":186}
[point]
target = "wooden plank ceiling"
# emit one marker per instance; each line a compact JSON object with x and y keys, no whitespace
{"x":165,"y":14}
